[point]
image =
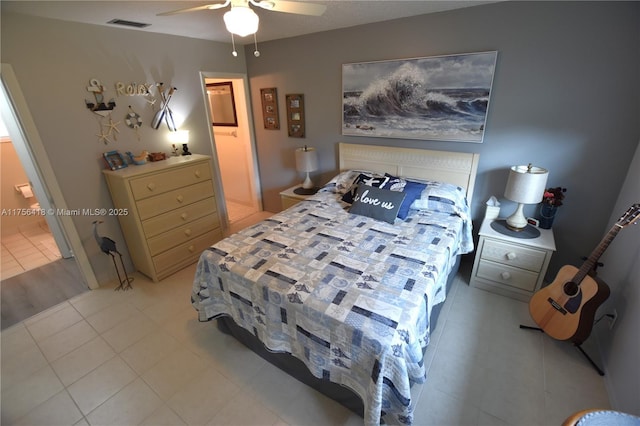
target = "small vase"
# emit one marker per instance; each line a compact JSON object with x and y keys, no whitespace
{"x":547,"y":214}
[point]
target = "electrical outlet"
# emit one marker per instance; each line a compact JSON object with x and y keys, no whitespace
{"x":612,"y":319}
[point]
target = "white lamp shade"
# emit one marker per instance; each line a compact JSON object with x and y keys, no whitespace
{"x":241,"y":20}
{"x":526,"y":184}
{"x":306,"y":160}
{"x":179,"y":137}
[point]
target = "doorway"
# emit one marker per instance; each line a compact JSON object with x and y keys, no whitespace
{"x":32,"y":156}
{"x":227,"y":104}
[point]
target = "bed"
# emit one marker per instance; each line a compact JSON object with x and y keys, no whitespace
{"x":344,"y":301}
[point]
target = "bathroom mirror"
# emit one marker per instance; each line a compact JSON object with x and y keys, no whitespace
{"x":222,"y":103}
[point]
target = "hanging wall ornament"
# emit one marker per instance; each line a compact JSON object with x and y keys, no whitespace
{"x":100,"y":107}
{"x":133,"y":120}
{"x":112,"y":128}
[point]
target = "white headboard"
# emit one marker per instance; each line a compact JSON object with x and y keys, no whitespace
{"x":458,"y":168}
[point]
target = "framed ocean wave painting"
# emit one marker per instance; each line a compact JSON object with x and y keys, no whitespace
{"x":433,"y":98}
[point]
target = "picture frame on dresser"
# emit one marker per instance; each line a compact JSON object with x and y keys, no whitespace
{"x":115,"y":160}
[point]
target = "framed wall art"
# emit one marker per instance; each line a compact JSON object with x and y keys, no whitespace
{"x":115,"y":160}
{"x":269,"y":99}
{"x":433,"y":98}
{"x":295,"y":115}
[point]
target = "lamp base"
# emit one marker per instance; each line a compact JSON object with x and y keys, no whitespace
{"x":527,"y":232}
{"x":305,"y":191}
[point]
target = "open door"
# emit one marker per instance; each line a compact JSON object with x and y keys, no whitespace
{"x":30,"y":150}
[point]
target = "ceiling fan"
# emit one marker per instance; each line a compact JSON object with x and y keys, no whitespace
{"x":296,"y":7}
{"x":241,"y":20}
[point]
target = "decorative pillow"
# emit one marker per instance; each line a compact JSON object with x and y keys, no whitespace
{"x":364,"y":179}
{"x":443,"y":197}
{"x":343,"y":181}
{"x":380,"y":204}
{"x":412,"y":189}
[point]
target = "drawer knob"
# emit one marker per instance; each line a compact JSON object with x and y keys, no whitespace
{"x":505,"y":275}
{"x":184,"y":216}
{"x":187,"y":232}
{"x":192,"y":249}
{"x":180,"y":198}
{"x":511,"y":255}
{"x":151,"y":186}
{"x":197,"y":173}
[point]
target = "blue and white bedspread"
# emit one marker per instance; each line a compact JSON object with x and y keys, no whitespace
{"x":348,"y":295}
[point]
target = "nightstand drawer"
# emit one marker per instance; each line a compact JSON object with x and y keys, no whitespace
{"x":510,"y":254}
{"x":507,"y":275}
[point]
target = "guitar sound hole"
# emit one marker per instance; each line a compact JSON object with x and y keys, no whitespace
{"x":571,"y":288}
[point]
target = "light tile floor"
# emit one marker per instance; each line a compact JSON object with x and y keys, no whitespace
{"x":142,"y":357}
{"x":27,"y":248}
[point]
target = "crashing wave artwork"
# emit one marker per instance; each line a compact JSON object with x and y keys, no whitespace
{"x":434,"y":98}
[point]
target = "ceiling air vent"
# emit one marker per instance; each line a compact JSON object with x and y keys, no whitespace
{"x":128,"y":23}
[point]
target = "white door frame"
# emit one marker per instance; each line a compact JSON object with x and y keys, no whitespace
{"x":30,"y":149}
{"x":254,"y":157}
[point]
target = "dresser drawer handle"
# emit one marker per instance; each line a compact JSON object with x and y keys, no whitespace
{"x":505,"y":275}
{"x":180,"y":198}
{"x":511,"y":255}
{"x":151,"y":186}
{"x":197,"y":173}
{"x":184,"y":216}
{"x":192,"y":249}
{"x":187,"y":232}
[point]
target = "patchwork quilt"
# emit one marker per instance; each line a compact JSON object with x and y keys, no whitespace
{"x":348,"y":295}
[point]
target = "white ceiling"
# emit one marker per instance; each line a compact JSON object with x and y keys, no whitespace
{"x":208,"y":24}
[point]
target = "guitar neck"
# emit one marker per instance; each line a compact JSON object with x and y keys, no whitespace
{"x":595,"y":254}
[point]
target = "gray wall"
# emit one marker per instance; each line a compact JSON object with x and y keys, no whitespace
{"x":620,"y":346}
{"x":566,"y":97}
{"x":54,"y":61}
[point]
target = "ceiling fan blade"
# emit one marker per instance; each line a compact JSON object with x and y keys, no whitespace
{"x":210,"y":6}
{"x":297,"y":7}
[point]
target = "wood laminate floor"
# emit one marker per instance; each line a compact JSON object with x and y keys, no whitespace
{"x":34,"y":291}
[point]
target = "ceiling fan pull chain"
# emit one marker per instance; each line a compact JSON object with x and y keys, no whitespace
{"x":256,"y":53}
{"x":233,"y":43}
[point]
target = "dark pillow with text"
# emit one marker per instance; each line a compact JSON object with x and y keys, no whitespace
{"x":380,"y":204}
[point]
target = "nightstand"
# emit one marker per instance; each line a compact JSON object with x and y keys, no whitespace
{"x":511,"y":266}
{"x":288,"y":198}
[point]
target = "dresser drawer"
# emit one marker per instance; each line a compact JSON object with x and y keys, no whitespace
{"x":509,"y":254}
{"x":158,"y":183}
{"x":166,"y":221}
{"x":172,"y":200}
{"x":182,"y":234}
{"x":507,"y":275}
{"x":186,"y":253}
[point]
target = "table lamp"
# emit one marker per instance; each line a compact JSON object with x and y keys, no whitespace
{"x":526,"y":185}
{"x":306,"y":162}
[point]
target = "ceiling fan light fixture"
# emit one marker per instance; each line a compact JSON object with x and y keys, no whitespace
{"x":241,"y":20}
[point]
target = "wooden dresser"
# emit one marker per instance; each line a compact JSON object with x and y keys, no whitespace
{"x":171,"y":212}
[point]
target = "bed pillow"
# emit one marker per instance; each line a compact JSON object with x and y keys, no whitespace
{"x":343,"y":181}
{"x":412,"y":189}
{"x":443,"y":197}
{"x":380,"y":204}
{"x":368,"y":179}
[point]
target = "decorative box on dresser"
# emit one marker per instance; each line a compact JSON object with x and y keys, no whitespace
{"x":172,"y":212}
{"x":511,"y":266}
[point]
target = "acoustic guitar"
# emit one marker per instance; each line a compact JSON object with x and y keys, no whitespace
{"x":565,"y":309}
